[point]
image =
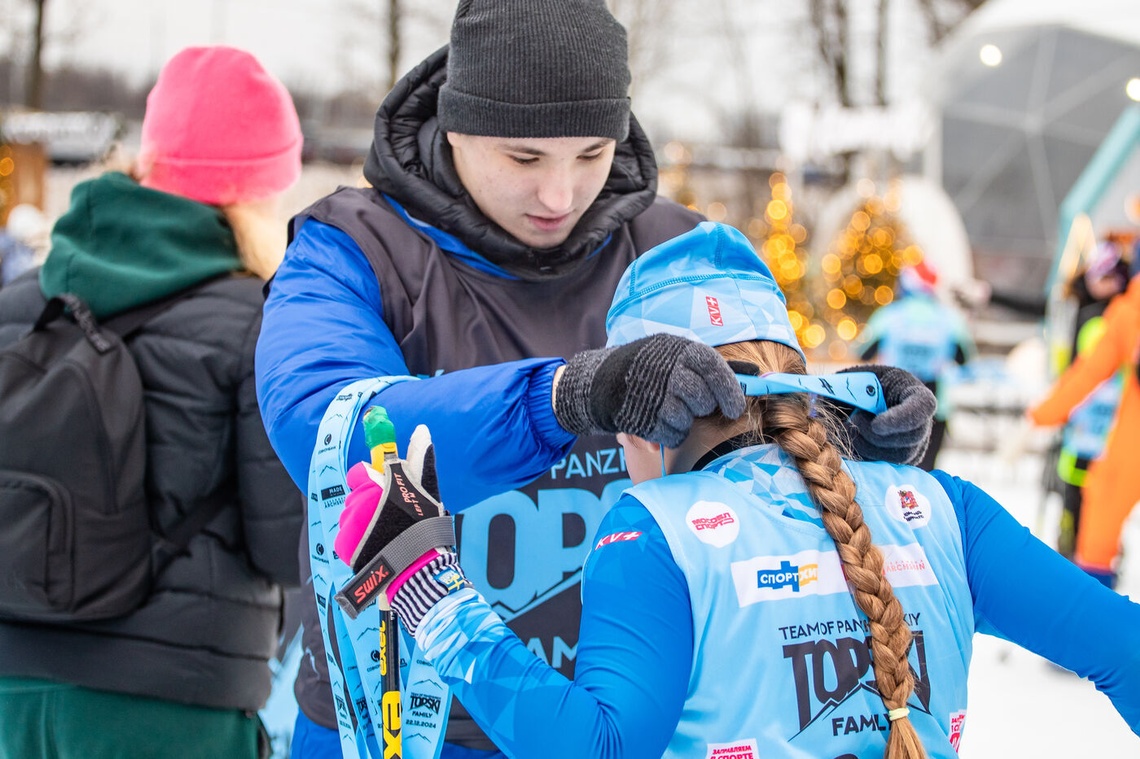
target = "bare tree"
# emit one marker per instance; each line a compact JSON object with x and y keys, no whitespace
{"x":831,"y":19}
{"x":398,"y":25}
{"x":393,"y":23}
{"x":647,"y":24}
{"x":34,"y":93}
{"x":943,"y":16}
{"x":882,"y":50}
{"x":832,"y":35}
{"x":29,"y":33}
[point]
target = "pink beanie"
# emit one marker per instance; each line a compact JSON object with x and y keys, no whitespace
{"x":219,"y":129}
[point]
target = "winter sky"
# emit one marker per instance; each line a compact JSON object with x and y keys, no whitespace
{"x":709,"y":56}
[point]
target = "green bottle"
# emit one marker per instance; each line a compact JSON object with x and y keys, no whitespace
{"x":379,"y":436}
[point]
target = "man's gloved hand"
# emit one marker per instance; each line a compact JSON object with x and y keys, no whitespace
{"x":900,"y":434}
{"x":652,"y":388}
{"x":396,"y":535}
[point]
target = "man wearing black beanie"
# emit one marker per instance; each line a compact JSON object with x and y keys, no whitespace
{"x":509,"y":188}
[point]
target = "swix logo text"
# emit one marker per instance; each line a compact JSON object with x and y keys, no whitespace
{"x":715,"y":318}
{"x":370,"y":583}
{"x":711,"y":523}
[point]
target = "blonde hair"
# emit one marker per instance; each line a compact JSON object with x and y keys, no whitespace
{"x":261,"y":236}
{"x":786,"y":419}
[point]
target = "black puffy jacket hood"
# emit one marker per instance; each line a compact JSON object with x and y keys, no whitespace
{"x":410,"y":161}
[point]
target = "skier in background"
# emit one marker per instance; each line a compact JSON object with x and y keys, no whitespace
{"x":1084,"y":436}
{"x":1112,"y":485}
{"x":919,"y":333}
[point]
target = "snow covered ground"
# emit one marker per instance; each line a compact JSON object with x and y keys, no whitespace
{"x":1020,"y":705}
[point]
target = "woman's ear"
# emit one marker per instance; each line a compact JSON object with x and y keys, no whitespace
{"x":642,"y":444}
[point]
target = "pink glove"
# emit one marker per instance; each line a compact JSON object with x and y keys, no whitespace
{"x":364,"y":498}
{"x":360,"y":508}
{"x":395,"y":534}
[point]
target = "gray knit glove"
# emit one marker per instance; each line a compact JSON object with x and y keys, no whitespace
{"x":900,"y":434}
{"x":652,"y":388}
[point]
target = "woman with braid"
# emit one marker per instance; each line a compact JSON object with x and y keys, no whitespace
{"x":755,"y":593}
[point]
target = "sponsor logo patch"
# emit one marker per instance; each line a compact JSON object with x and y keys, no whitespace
{"x":618,"y":537}
{"x":745,"y":749}
{"x":450,"y":579}
{"x":770,"y":578}
{"x":713,"y":305}
{"x":907,"y":565}
{"x":713,"y":523}
{"x":834,"y":677}
{"x":787,"y":576}
{"x":906,"y":504}
{"x":957,"y":722}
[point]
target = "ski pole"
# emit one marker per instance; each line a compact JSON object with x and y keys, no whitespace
{"x":380,"y":437}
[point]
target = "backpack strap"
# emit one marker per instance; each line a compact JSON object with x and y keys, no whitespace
{"x":65,"y":302}
{"x":171,"y":545}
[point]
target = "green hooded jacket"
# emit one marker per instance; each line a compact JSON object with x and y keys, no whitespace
{"x":121,"y":245}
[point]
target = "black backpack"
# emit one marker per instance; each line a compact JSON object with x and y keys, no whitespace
{"x":76,"y":540}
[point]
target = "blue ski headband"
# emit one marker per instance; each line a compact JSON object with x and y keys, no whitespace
{"x":859,"y":389}
{"x":710,"y":285}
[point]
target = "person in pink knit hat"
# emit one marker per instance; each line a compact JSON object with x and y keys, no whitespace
{"x":221,"y":130}
{"x":191,"y":225}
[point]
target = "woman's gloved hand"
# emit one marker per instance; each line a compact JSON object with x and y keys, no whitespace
{"x":397,"y":536}
{"x":652,"y":388}
{"x":900,"y":434}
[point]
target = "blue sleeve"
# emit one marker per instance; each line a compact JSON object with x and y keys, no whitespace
{"x":1029,"y":594}
{"x":634,"y":656}
{"x":323,"y":329}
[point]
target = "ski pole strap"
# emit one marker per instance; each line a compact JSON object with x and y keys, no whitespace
{"x":353,"y":644}
{"x":859,"y":389}
{"x":394,"y":558}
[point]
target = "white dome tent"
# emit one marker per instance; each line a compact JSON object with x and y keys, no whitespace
{"x":1027,"y":91}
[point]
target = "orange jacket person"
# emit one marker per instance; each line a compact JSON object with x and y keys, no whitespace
{"x":1112,"y":487}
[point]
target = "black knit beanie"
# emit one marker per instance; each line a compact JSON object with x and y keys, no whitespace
{"x":536,"y":68}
